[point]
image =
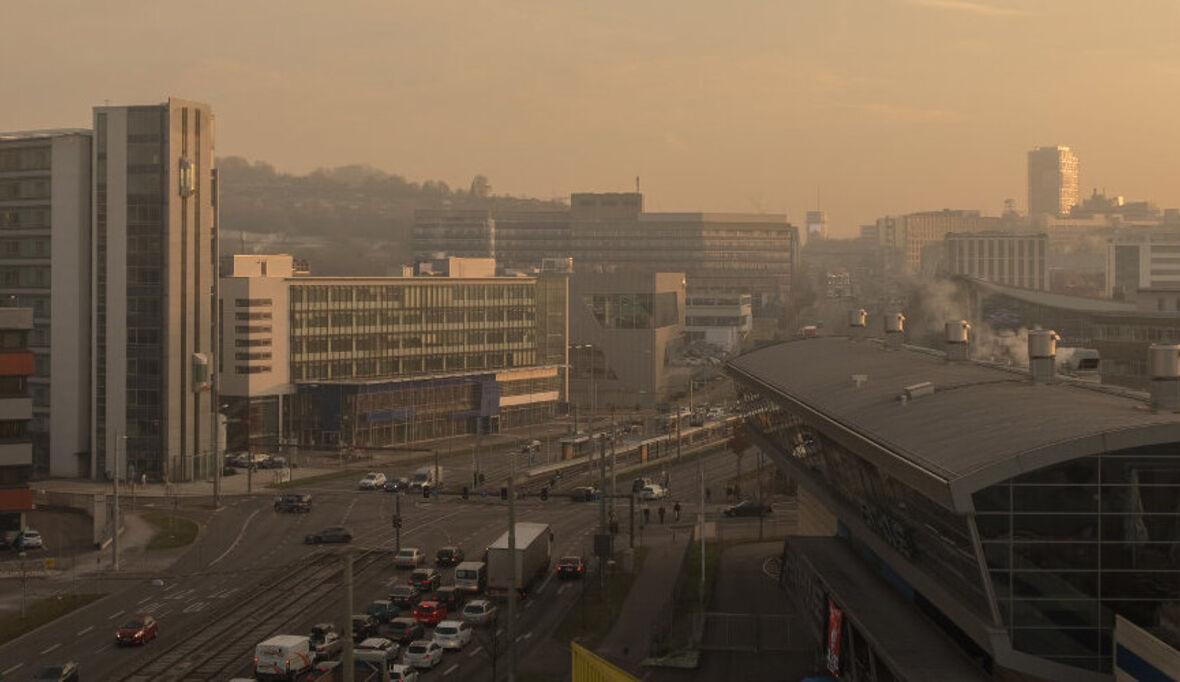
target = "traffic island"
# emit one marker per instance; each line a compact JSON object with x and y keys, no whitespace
{"x":40,"y":612}
{"x":599,"y":605}
{"x":169,"y":530}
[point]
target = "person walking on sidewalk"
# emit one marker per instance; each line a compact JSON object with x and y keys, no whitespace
{"x":646,"y":516}
{"x":662,"y":512}
{"x":676,"y":510}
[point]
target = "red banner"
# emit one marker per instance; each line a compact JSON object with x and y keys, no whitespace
{"x":835,"y":627}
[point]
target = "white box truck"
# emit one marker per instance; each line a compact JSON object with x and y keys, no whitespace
{"x":534,"y":543}
{"x":424,"y":477}
{"x":282,"y":657}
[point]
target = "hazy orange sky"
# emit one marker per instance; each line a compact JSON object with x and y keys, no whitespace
{"x":884,"y":106}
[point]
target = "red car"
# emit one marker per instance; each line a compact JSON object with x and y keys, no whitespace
{"x":430,"y":612}
{"x":138,"y":629}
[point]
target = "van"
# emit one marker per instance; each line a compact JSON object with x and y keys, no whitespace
{"x":653,"y":492}
{"x":471,"y":576}
{"x":282,"y":657}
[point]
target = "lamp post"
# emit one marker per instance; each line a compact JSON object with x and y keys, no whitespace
{"x":24,"y":580}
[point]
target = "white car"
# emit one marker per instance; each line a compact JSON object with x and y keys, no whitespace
{"x":28,"y":539}
{"x":402,"y":673}
{"x":373,"y":481}
{"x":653,"y":492}
{"x":452,"y":634}
{"x":408,"y":557}
{"x":479,"y":612}
{"x":424,"y":653}
{"x":377,"y":650}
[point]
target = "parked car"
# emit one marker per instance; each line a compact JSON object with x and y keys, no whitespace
{"x":653,"y":492}
{"x":403,"y":630}
{"x":299,"y":503}
{"x":479,"y":612}
{"x":429,"y":612}
{"x":452,"y":634}
{"x":28,"y":539}
{"x":325,"y":641}
{"x":374,"y":480}
{"x":449,"y":596}
{"x":425,"y":579}
{"x":585,"y":493}
{"x":399,"y":672}
{"x":363,"y":626}
{"x":137,"y":630}
{"x":63,"y":672}
{"x":396,"y":485}
{"x":273,"y":463}
{"x":639,"y":484}
{"x":383,"y":610}
{"x":424,"y":653}
{"x":570,"y":567}
{"x":449,"y":556}
{"x":747,"y":508}
{"x":408,"y":557}
{"x":333,"y":534}
{"x":404,"y":596}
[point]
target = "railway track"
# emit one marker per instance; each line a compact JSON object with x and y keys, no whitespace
{"x":224,"y":641}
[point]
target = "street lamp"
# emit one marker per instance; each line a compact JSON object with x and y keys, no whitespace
{"x":24,"y":594}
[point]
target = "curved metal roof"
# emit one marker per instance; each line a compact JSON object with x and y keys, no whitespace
{"x":980,"y":426}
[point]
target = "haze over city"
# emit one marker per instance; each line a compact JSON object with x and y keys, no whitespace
{"x":877,"y":107}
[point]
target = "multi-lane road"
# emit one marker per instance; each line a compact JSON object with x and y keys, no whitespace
{"x":250,"y":575}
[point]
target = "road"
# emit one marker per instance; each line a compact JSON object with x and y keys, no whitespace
{"x":251,"y":569}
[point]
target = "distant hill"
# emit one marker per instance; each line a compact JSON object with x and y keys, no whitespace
{"x":351,"y":220}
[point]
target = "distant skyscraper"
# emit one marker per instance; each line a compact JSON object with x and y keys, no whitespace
{"x":154,"y":274}
{"x":817,"y":225}
{"x":1052,"y":180}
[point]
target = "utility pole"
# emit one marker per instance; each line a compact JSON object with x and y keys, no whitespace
{"x":122,"y":441}
{"x":437,"y":482}
{"x":701,"y":522}
{"x":346,"y":657}
{"x":397,"y":527}
{"x":515,"y":568}
{"x":214,"y":337}
{"x":613,"y":481}
{"x":678,"y":420}
{"x":632,"y":532}
{"x":761,"y":516}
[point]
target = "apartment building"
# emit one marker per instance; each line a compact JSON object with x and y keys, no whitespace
{"x":16,"y":411}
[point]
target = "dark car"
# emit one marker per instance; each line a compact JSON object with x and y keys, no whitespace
{"x":585,"y":493}
{"x":425,"y":578}
{"x":363,"y":626}
{"x":383,"y":610}
{"x":333,"y":534}
{"x":405,"y":596}
{"x":272,"y":463}
{"x":138,"y":629}
{"x":747,"y":508}
{"x":449,"y":556}
{"x":403,"y":630}
{"x":64,"y":672}
{"x":570,"y":567}
{"x":448,"y":596}
{"x":396,"y":485}
{"x":294,"y":502}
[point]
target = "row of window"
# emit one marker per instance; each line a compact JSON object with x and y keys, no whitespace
{"x":385,"y":318}
{"x":24,"y":189}
{"x":391,"y":367}
{"x":25,"y":276}
{"x":386,"y":342}
{"x":24,"y":218}
{"x":412,"y":295}
{"x":25,"y":158}
{"x":27,"y":247}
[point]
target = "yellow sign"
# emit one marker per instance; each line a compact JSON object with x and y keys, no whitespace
{"x":49,"y":563}
{"x":589,"y":667}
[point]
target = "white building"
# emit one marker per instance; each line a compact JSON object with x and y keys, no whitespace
{"x":1146,"y":258}
{"x":720,"y":319}
{"x":1015,"y":260}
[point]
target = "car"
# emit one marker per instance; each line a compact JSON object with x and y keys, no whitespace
{"x":452,"y":634}
{"x":479,"y":612}
{"x":246,"y":460}
{"x":429,"y":612}
{"x":363,"y":626}
{"x":333,"y":534}
{"x":746,"y":508}
{"x":403,"y":630}
{"x":652,"y":491}
{"x":377,"y":650}
{"x":399,"y":672}
{"x":374,"y":480}
{"x":531,"y":446}
{"x":299,"y":503}
{"x":383,"y":610}
{"x":424,"y":653}
{"x":396,"y":485}
{"x":325,"y":641}
{"x":405,"y":596}
{"x":639,"y":484}
{"x":138,"y":629}
{"x":585,"y":493}
{"x":449,"y":596}
{"x":273,"y":463}
{"x":28,"y":539}
{"x":570,"y":567}
{"x":322,"y":670}
{"x":425,"y":579}
{"x":408,"y":557}
{"x":449,"y":556}
{"x":62,"y":672}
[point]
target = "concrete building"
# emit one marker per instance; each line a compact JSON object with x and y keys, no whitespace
{"x":624,"y":326}
{"x":458,"y":233}
{"x":1142,"y":259}
{"x":1052,"y":181}
{"x":967,"y":522}
{"x":817,"y":225}
{"x":381,"y":361}
{"x":16,"y":411}
{"x":45,"y":218}
{"x":154,"y":274}
{"x":1016,"y":260}
{"x":721,"y":320}
{"x":905,"y":237}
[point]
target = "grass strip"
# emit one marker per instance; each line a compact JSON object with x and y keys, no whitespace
{"x":597,"y":608}
{"x":38,"y":613}
{"x":172,"y":531}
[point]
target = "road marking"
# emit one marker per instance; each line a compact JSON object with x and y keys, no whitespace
{"x":101,"y":649}
{"x":144,"y":599}
{"x":500,"y":631}
{"x":475,"y":652}
{"x":9,"y":671}
{"x":116,"y":614}
{"x":451,"y":669}
{"x":562,"y":588}
{"x":52,"y":648}
{"x":198,"y":606}
{"x":238,"y":539}
{"x":84,"y":630}
{"x":524,"y":636}
{"x":529,"y":604}
{"x":162,"y":614}
{"x":348,"y":512}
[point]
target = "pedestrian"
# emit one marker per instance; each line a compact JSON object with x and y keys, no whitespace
{"x":646,"y":516}
{"x":729,"y":492}
{"x":676,"y":509}
{"x":708,"y":495}
{"x":662,"y":512}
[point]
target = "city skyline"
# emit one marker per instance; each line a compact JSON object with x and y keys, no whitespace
{"x":887,"y":108}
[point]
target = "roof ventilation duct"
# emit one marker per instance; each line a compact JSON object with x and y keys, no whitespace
{"x":957,"y":340}
{"x":894,"y":330}
{"x":1163,"y":362}
{"x":917,"y":391}
{"x":1042,"y":355}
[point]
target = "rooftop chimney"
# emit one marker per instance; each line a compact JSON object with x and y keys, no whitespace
{"x":1042,"y":355}
{"x":1163,"y":364}
{"x":957,"y":340}
{"x":894,"y":330}
{"x":856,"y":324}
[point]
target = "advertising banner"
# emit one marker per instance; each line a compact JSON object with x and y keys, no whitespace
{"x":835,"y":627}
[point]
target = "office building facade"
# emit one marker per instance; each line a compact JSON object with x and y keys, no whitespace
{"x":1015,"y":260}
{"x":16,"y":411}
{"x":1147,"y":258}
{"x":45,"y":213}
{"x":154,"y":270}
{"x":1052,"y":181}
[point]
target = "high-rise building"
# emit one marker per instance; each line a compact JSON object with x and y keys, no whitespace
{"x":45,"y":266}
{"x":16,"y":450}
{"x":817,"y":225}
{"x":154,"y":274}
{"x":1052,"y":181}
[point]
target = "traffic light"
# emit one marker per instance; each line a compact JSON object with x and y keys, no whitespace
{"x":426,"y":492}
{"x":465,"y":492}
{"x":544,"y":494}
{"x":504,"y":493}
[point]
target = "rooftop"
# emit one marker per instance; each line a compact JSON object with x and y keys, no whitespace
{"x":981,"y":425}
{"x":39,"y":134}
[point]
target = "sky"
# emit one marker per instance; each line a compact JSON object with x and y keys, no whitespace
{"x":862,"y":107}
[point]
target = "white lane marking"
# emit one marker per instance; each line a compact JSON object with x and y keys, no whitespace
{"x":151,"y":607}
{"x":116,"y":614}
{"x":475,"y":652}
{"x":500,"y":631}
{"x":52,"y":648}
{"x":144,"y":599}
{"x":101,"y":649}
{"x":162,"y":614}
{"x":348,"y":512}
{"x":562,"y":588}
{"x":193,"y":608}
{"x":238,"y":539}
{"x":524,"y":636}
{"x":84,"y":630}
{"x":450,"y":670}
{"x":529,"y":604}
{"x":9,"y":671}
{"x":184,"y":594}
